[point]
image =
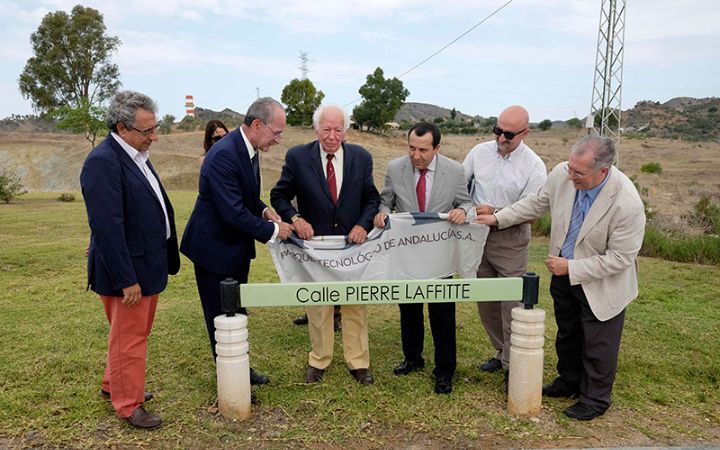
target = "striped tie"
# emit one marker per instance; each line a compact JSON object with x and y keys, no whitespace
{"x":576,"y":221}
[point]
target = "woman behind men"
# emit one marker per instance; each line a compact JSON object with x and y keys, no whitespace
{"x":214,"y":131}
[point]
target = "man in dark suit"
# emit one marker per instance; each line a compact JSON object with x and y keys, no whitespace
{"x":426,"y":181}
{"x":229,"y":215}
{"x":333,"y":184}
{"x":133,"y":247}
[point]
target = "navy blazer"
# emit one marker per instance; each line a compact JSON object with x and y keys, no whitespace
{"x":303,"y":178}
{"x":227,"y":218}
{"x":128,"y":241}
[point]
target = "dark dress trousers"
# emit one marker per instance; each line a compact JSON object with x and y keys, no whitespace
{"x":225,"y":223}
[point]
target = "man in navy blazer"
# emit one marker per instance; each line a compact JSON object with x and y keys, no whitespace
{"x":229,"y":215}
{"x":333,"y":184}
{"x":133,"y":247}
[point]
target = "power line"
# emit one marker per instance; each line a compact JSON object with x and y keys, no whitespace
{"x":446,"y":46}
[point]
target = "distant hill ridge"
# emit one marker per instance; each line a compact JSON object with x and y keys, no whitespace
{"x":678,"y":118}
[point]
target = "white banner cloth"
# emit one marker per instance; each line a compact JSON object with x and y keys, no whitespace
{"x":412,"y":246}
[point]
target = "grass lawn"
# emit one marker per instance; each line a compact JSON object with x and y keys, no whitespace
{"x":53,"y":340}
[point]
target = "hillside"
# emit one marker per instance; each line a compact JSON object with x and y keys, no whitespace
{"x":680,"y":118}
{"x":52,"y":162}
{"x":415,"y":112}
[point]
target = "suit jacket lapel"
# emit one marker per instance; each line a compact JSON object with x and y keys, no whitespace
{"x":316,"y":166}
{"x":600,"y":206}
{"x":348,"y":164}
{"x":567,"y":200}
{"x":132,"y":167}
{"x":438,"y":184}
{"x":408,"y":175}
{"x":246,"y":164}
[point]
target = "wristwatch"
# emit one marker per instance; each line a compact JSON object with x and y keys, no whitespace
{"x":295,"y":218}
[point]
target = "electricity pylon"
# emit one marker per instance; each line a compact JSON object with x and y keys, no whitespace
{"x":607,"y":86}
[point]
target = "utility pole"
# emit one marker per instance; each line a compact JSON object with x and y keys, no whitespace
{"x":607,"y":85}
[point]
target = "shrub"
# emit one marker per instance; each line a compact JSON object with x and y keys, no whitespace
{"x":66,"y":198}
{"x":700,"y":249}
{"x":652,"y":167}
{"x":10,"y":186}
{"x":706,"y":214}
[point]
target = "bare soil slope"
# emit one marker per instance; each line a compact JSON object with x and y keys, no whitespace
{"x":52,"y":162}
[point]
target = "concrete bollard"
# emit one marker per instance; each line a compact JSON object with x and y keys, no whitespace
{"x":526,"y":361}
{"x":233,"y":366}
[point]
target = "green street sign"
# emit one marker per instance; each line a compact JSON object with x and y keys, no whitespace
{"x":381,"y":292}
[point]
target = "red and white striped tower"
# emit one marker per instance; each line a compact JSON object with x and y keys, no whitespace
{"x":189,"y":106}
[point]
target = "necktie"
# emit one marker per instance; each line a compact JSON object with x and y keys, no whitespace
{"x":420,"y":190}
{"x":256,"y":167}
{"x":576,"y":221}
{"x":332,"y":184}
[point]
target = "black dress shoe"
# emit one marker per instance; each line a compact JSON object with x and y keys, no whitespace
{"x":143,"y":419}
{"x":443,"y":385}
{"x":302,"y":320}
{"x":559,"y":388}
{"x":581,"y":411}
{"x":258,"y":378}
{"x":363,"y":376}
{"x":313,"y":374}
{"x":491,"y":365}
{"x":408,"y":366}
{"x":106,"y":395}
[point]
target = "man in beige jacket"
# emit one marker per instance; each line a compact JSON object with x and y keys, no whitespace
{"x":598,"y":223}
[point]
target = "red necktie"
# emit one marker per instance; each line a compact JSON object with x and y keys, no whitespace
{"x":420,"y":190}
{"x":332,"y":184}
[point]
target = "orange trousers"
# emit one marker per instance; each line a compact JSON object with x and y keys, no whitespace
{"x":124,"y":375}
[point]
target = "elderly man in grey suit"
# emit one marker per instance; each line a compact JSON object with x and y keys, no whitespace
{"x":598,"y":224}
{"x":426,"y":181}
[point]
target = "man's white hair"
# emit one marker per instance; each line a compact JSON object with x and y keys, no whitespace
{"x":324,"y":107}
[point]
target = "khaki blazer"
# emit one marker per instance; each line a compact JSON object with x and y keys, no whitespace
{"x":607,"y":246}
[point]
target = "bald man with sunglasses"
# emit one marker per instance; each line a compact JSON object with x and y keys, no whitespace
{"x":499,"y":173}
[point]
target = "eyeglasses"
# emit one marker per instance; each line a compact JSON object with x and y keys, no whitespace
{"x":509,"y":135}
{"x":214,"y":139}
{"x":276,"y":133}
{"x":146,"y":132}
{"x":575,"y":175}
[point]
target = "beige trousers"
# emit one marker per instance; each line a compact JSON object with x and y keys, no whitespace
{"x":354,"y":334}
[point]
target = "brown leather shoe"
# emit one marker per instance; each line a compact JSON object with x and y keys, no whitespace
{"x":363,"y":376}
{"x":106,"y":395}
{"x":143,"y":419}
{"x":313,"y":374}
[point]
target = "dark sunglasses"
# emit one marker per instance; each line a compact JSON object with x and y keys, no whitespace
{"x":509,"y":135}
{"x":214,"y":139}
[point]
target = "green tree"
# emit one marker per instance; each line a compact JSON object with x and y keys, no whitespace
{"x":545,"y":124}
{"x":166,"y":124}
{"x":301,"y":99}
{"x":71,"y":61}
{"x":575,"y":123}
{"x":382,"y":99}
{"x":10,"y":186}
{"x":86,"y":119}
{"x":453,"y":113}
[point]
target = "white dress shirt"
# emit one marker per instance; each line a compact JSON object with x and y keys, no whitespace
{"x":140,"y":159}
{"x":501,"y":181}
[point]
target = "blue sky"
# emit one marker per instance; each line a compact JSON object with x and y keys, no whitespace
{"x":536,"y":53}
